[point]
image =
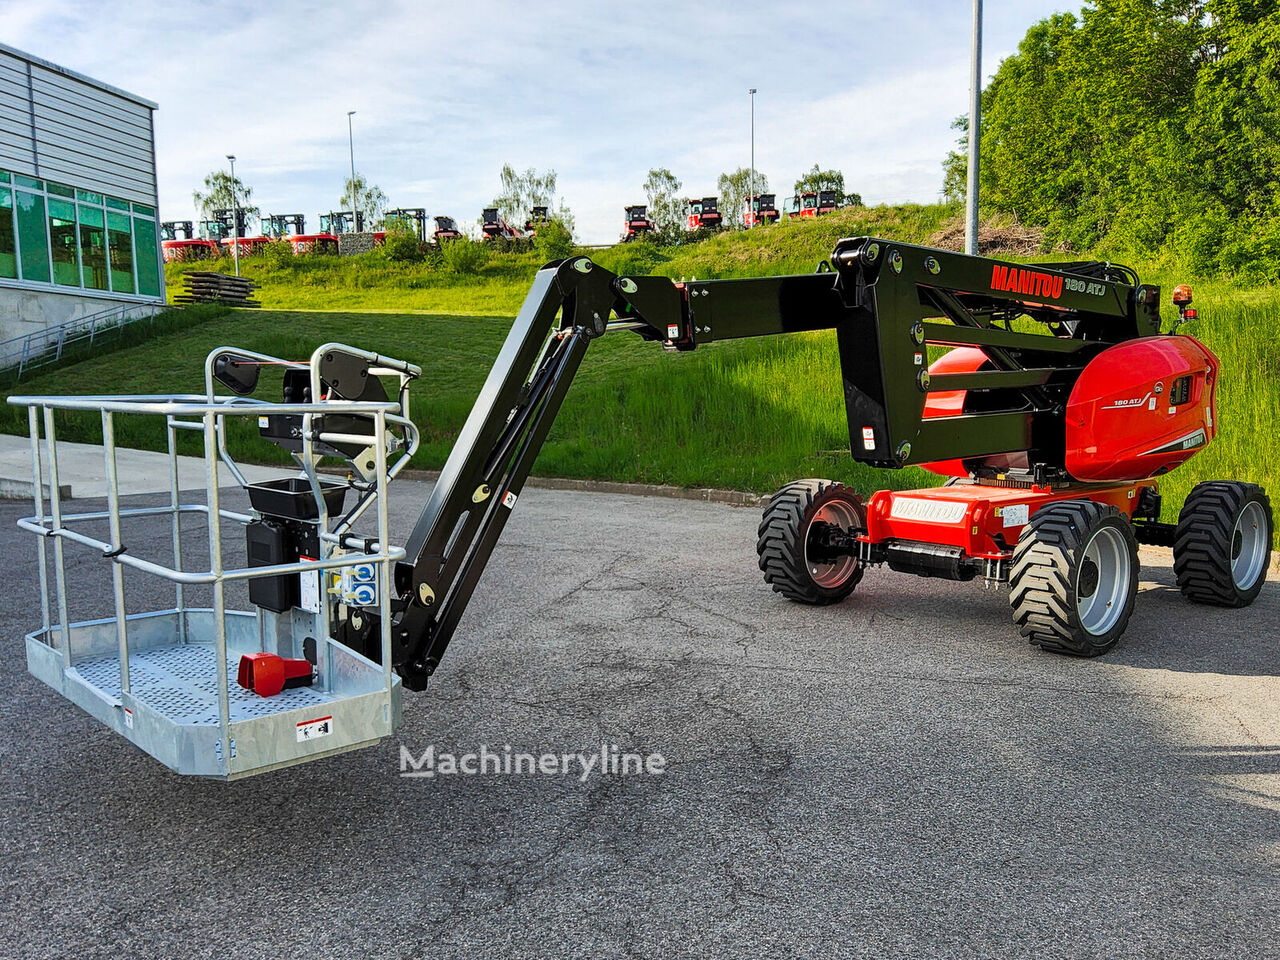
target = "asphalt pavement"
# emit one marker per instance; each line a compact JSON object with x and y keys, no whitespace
{"x":897,"y":775}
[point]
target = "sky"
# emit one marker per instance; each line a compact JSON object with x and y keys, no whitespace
{"x":446,"y":92}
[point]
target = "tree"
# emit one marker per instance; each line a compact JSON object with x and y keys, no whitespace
{"x":218,"y":195}
{"x":370,"y":200}
{"x":666,"y":206}
{"x":734,"y":189}
{"x":955,"y":167}
{"x":816,"y":180}
{"x":521,"y":192}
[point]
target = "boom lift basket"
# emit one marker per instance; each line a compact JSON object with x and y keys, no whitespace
{"x":166,"y":679}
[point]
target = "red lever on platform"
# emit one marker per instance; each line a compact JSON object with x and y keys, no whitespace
{"x":267,"y":674}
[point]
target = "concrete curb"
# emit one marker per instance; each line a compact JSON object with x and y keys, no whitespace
{"x":11,"y":489}
{"x":736,"y":498}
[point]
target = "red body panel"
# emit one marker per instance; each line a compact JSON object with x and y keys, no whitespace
{"x":314,"y":243}
{"x":983,"y":521}
{"x":1141,"y":408}
{"x":178,"y":251}
{"x":248,"y":245}
{"x":950,"y":403}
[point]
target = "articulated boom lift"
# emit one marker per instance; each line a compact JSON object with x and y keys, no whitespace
{"x":1053,"y":439}
{"x":1053,"y":401}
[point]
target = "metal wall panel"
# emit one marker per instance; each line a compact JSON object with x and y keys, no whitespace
{"x":63,"y":127}
{"x":17,"y":148}
{"x":92,"y":139}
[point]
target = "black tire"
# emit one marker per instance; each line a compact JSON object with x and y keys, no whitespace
{"x":1071,"y":557}
{"x":1222,"y":544}
{"x":784,"y":539}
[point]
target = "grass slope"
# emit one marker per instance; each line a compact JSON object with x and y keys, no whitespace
{"x":748,"y":414}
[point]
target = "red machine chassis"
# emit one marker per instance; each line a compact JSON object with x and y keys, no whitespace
{"x":984,"y":520}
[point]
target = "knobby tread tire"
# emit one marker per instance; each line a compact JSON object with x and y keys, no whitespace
{"x":1046,"y":567}
{"x":781,"y":541}
{"x":1202,"y":543}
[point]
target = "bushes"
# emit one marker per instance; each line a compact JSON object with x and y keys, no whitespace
{"x":554,"y":240}
{"x":401,"y":246}
{"x":463,"y":256}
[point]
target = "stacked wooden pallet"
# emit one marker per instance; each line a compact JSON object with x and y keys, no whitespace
{"x":217,"y":288}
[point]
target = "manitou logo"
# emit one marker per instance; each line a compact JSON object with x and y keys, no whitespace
{"x":1031,"y":283}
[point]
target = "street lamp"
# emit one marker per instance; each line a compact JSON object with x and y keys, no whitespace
{"x":751,"y":198}
{"x":351,"y":146}
{"x":235,"y":216}
{"x":975,"y":134}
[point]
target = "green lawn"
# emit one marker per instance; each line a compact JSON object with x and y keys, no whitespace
{"x":748,"y":415}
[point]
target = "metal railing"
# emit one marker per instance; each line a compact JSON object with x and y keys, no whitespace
{"x":44,"y":346}
{"x":348,"y":686}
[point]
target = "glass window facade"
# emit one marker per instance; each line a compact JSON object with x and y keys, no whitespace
{"x":144,"y":245}
{"x":56,"y":234}
{"x":93,"y":247}
{"x":120,"y":249}
{"x":8,"y":237}
{"x":33,"y":235}
{"x":64,"y":247}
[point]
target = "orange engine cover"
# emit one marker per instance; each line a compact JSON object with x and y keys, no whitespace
{"x":1141,"y":408}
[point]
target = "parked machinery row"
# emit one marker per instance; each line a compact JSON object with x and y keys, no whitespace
{"x":704,"y":213}
{"x":182,"y":240}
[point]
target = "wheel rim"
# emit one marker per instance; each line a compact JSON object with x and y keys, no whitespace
{"x":1102,"y":584}
{"x":1249,"y":542}
{"x":831,"y":574}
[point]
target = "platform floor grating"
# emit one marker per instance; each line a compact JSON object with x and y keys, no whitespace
{"x":181,"y":683}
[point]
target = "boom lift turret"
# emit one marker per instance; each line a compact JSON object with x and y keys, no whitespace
{"x":1055,"y":403}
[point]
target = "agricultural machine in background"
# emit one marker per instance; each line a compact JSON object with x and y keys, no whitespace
{"x":293,"y":228}
{"x":178,"y":243}
{"x":338,"y":222}
{"x":759,"y":209}
{"x":446,"y":229}
{"x":494,"y":227}
{"x":811,"y":204}
{"x":637,"y":222}
{"x":234,"y":231}
{"x":537,"y":217}
{"x":1055,"y":404}
{"x":413,"y":218}
{"x":702,"y":214}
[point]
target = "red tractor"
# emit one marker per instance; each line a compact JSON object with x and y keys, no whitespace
{"x":812,"y":203}
{"x":179,"y":244}
{"x":494,"y":227}
{"x":759,"y":209}
{"x":703,"y":214}
{"x":337,"y":222}
{"x":637,"y":222}
{"x":412,"y":218}
{"x":293,"y":228}
{"x":537,"y":216}
{"x":446,"y":229}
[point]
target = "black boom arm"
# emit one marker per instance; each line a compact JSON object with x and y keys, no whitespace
{"x":887,"y":302}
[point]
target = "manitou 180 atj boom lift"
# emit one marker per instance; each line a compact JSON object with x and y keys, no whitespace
{"x":1055,"y":404}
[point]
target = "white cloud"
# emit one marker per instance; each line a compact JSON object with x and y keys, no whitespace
{"x":447,"y":92}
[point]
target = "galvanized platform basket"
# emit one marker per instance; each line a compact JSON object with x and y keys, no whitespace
{"x":165,"y":679}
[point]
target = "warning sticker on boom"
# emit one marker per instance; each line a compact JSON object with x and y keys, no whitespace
{"x":868,"y":438}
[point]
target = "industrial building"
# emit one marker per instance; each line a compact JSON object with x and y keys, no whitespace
{"x":78,"y":202}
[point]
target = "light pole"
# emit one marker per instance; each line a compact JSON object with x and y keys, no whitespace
{"x":752,"y":195}
{"x":975,"y":134}
{"x":235,"y":216}
{"x":351,"y":146}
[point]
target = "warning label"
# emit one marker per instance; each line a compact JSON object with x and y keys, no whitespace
{"x":314,"y":729}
